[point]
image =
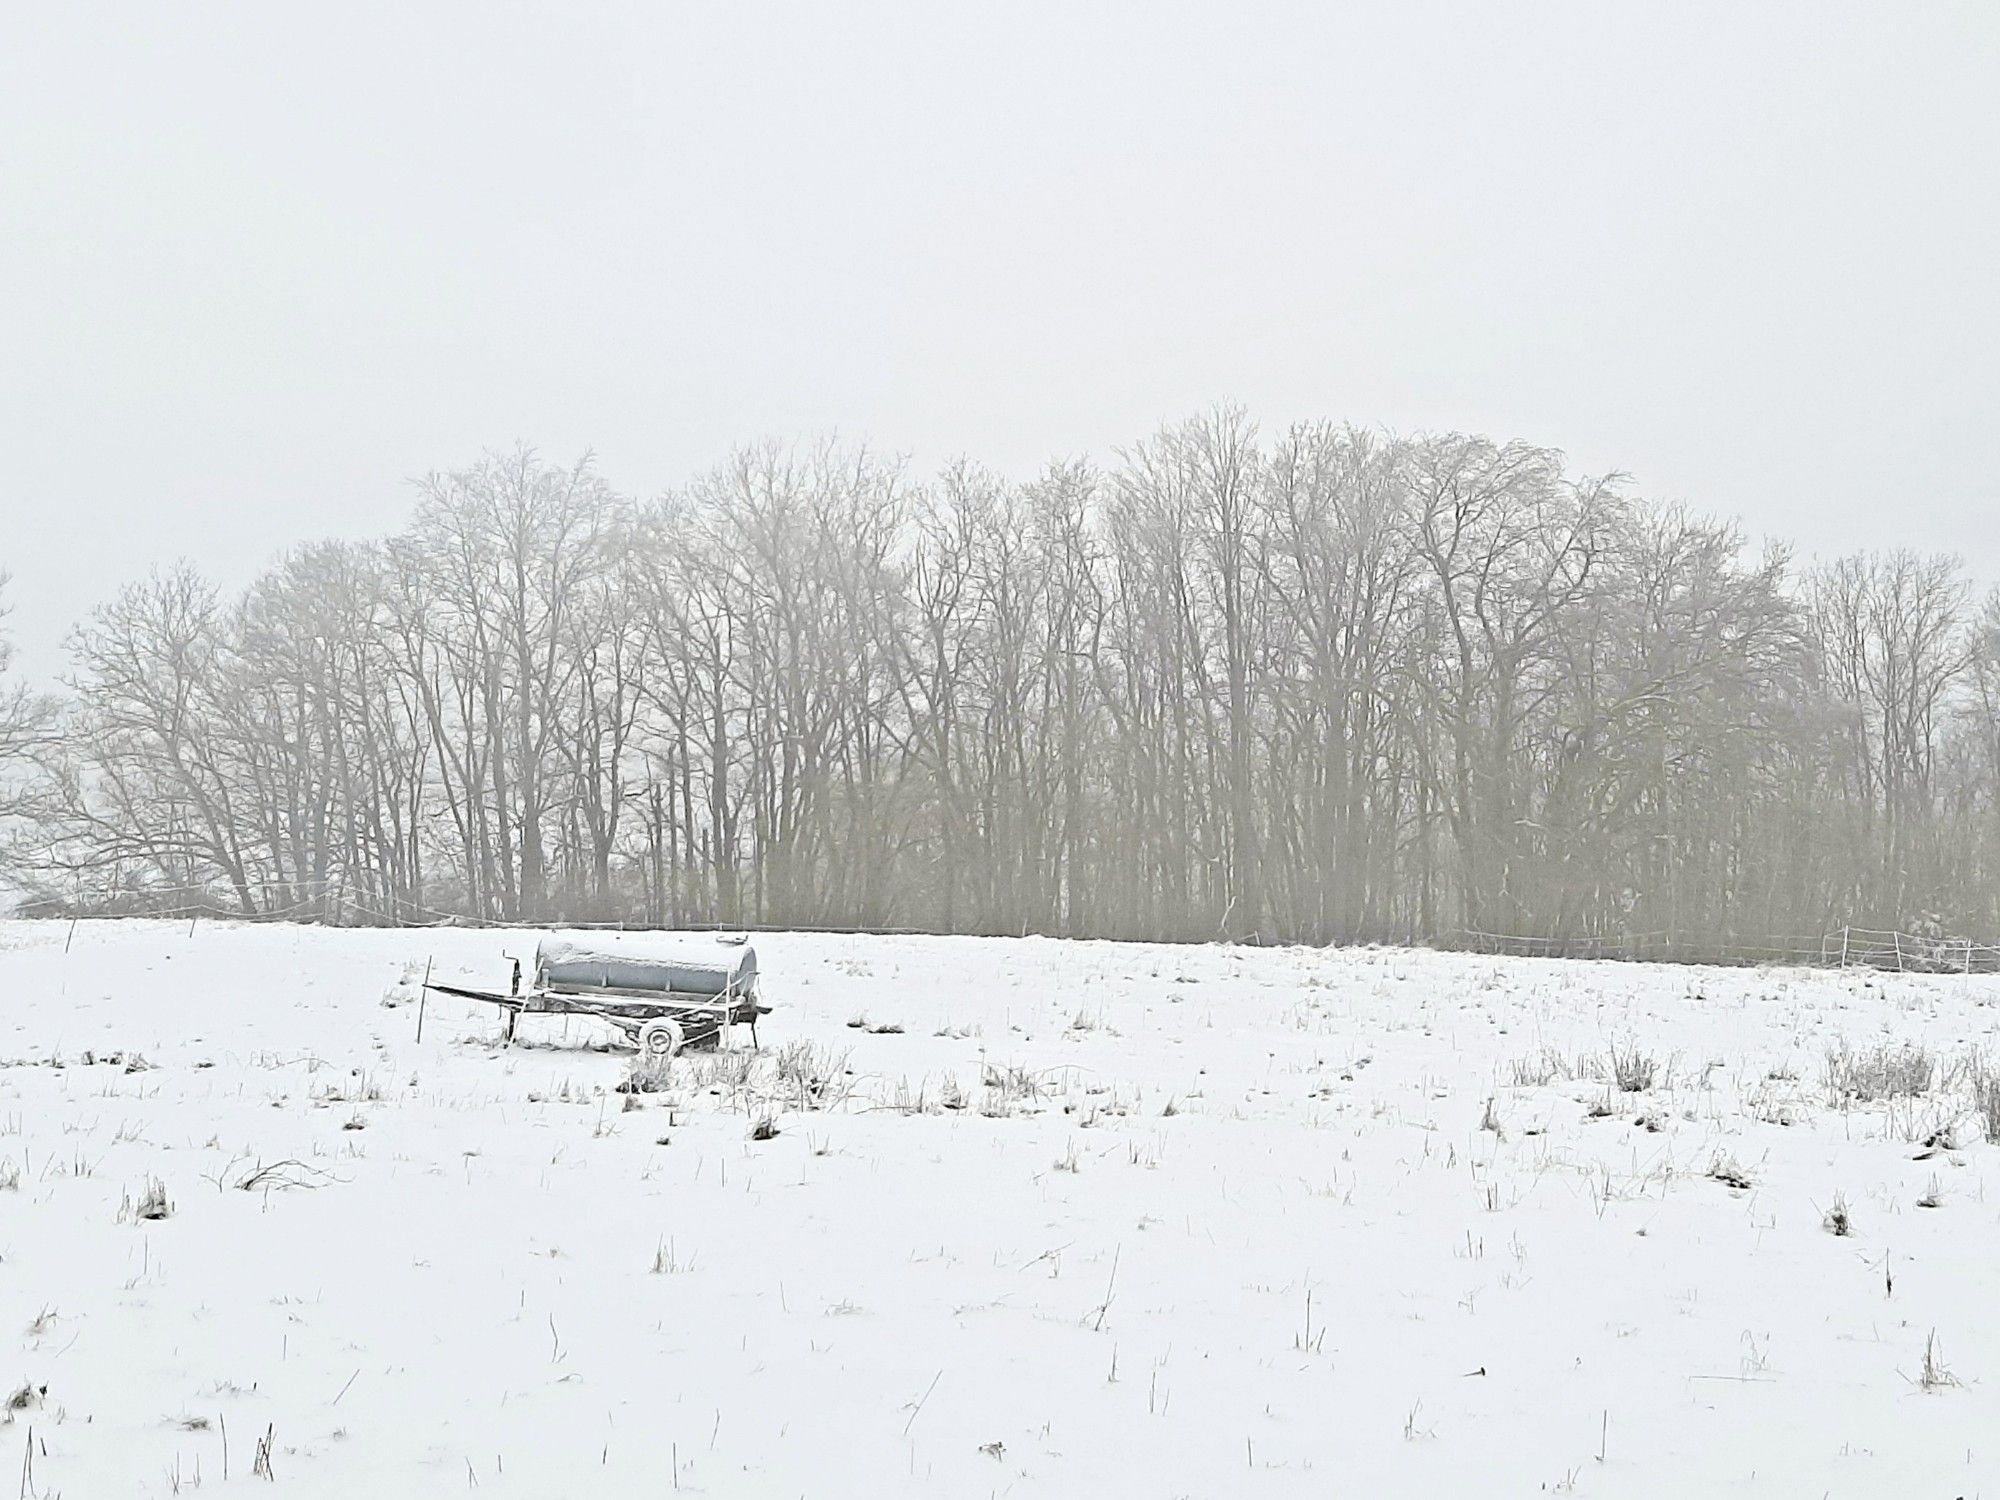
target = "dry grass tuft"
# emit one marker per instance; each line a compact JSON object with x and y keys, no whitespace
{"x":1632,"y":1070}
{"x":151,"y":1205}
{"x":1933,"y":1376}
{"x":814,"y":1077}
{"x":1729,"y":1172}
{"x":1883,"y":1071}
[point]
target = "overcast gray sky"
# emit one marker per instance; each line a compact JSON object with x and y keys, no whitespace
{"x":257,"y":270}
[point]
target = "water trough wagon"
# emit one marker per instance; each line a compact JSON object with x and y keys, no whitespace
{"x":663,"y":992}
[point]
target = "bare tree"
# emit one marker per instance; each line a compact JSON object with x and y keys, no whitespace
{"x":1335,"y":685}
{"x":28,"y":725}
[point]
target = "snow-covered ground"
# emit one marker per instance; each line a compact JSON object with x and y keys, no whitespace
{"x":1206,"y":1222}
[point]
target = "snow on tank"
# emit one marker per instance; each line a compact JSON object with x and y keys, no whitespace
{"x":642,"y":961}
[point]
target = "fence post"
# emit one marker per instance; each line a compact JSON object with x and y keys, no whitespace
{"x":1843,"y":945}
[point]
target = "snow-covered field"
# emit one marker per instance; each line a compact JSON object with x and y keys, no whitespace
{"x":1204,"y":1222}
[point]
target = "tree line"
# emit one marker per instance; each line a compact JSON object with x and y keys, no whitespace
{"x":1325,"y":685}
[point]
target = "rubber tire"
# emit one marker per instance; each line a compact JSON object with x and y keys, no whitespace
{"x":660,"y":1040}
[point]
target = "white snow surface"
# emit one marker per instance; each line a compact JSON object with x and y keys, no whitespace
{"x":1227,"y":1222}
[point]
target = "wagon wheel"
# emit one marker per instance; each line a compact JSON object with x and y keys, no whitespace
{"x":660,"y":1040}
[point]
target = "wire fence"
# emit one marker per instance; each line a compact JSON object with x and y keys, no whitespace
{"x":340,"y":906}
{"x":336,"y":904}
{"x":1844,"y":947}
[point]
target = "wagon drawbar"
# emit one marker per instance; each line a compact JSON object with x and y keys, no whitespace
{"x":662,"y":994}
